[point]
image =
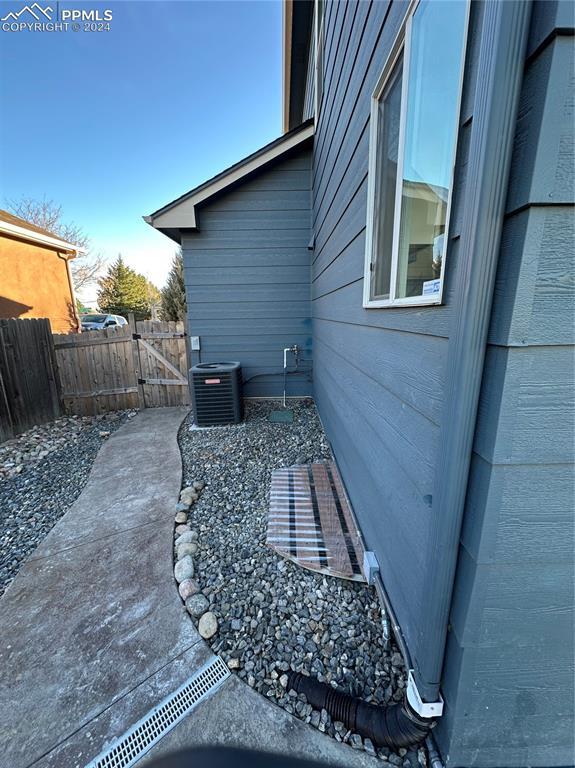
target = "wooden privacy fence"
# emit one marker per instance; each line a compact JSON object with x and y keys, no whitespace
{"x":28,"y":381}
{"x":141,"y":365}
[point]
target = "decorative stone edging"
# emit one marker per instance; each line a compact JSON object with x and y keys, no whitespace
{"x":273,"y":616}
{"x":185,"y":547}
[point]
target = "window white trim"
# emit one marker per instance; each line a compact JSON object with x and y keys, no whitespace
{"x":401,"y":48}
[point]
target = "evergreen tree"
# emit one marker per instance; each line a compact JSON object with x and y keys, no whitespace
{"x":82,"y":308}
{"x":174,"y":292}
{"x":123,"y":290}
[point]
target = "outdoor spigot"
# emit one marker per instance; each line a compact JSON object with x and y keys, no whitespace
{"x":294,"y":349}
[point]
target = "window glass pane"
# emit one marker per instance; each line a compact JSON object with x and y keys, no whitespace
{"x":430,"y":131}
{"x":386,"y":176}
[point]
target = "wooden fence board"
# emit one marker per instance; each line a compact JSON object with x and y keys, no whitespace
{"x":163,"y":359}
{"x":88,"y":373}
{"x":141,"y":365}
{"x":95,"y":373}
{"x":29,"y":389}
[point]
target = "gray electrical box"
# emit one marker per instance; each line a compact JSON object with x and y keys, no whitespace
{"x":195,"y":343}
{"x":370,"y":566}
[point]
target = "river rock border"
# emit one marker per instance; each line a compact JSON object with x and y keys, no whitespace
{"x":185,"y":547}
{"x":268,"y":615}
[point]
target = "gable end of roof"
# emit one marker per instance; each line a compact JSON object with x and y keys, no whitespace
{"x":181,"y":213}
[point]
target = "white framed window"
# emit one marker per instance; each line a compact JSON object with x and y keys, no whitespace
{"x":413,"y":139}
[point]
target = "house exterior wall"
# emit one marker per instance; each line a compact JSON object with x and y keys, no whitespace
{"x":509,"y":668}
{"x":247,"y":273}
{"x":379,"y":383}
{"x":34,"y":283}
{"x":379,"y":373}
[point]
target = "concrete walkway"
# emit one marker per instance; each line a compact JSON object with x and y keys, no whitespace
{"x":93,"y":633}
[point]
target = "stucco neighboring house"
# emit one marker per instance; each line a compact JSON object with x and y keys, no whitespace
{"x":35,"y":275}
{"x":413,"y":232}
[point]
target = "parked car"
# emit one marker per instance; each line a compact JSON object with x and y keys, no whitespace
{"x":97,"y":322}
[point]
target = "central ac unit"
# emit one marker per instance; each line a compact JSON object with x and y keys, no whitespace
{"x":216,"y":393}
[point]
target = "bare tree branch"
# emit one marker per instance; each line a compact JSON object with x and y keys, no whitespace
{"x":47,"y":214}
{"x":87,"y":269}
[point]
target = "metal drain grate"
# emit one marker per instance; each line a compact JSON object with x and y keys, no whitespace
{"x":142,"y":736}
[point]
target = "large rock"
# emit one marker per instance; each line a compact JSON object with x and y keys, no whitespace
{"x":188,"y":588}
{"x":208,"y":625}
{"x":182,"y":528}
{"x":188,"y":495}
{"x":181,"y":507}
{"x":181,"y":517}
{"x":184,"y":569}
{"x":187,"y":537}
{"x":197,"y":605}
{"x":182,"y":550}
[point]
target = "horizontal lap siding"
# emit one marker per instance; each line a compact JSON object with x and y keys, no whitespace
{"x":511,"y":648}
{"x":247,"y":275}
{"x":379,"y":375}
{"x":379,"y":384}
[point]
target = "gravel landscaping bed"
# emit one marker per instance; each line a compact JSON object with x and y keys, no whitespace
{"x":267,"y":615}
{"x":42,"y":473}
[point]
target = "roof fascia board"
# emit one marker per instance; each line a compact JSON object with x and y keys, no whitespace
{"x":298,"y":45}
{"x":37,"y":237}
{"x":181,"y":214}
{"x":287,"y":50}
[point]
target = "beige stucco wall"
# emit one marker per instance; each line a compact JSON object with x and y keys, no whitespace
{"x":34,"y":283}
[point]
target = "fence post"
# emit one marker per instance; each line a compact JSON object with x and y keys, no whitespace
{"x":136,"y":358}
{"x":52,"y":369}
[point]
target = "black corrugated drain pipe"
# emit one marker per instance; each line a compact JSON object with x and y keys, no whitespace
{"x":394,"y":726}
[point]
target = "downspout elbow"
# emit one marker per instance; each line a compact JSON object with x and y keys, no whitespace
{"x":395,"y":726}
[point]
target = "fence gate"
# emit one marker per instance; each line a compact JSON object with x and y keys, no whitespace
{"x":162,"y":363}
{"x":141,"y":365}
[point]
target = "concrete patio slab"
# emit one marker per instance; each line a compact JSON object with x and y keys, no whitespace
{"x":114,"y":721}
{"x":95,"y":613}
{"x":238,"y":716}
{"x":94,"y":634}
{"x":114,"y":499}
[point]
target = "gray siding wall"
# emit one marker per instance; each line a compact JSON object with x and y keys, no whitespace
{"x":379,"y":385}
{"x":379,"y":373}
{"x":509,"y":668}
{"x":247,"y":275}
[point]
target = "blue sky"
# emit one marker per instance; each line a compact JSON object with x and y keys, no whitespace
{"x":112,"y":125}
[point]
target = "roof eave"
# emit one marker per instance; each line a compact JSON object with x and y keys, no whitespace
{"x":287,"y":49}
{"x":298,"y":32}
{"x":29,"y":235}
{"x":181,"y":213}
